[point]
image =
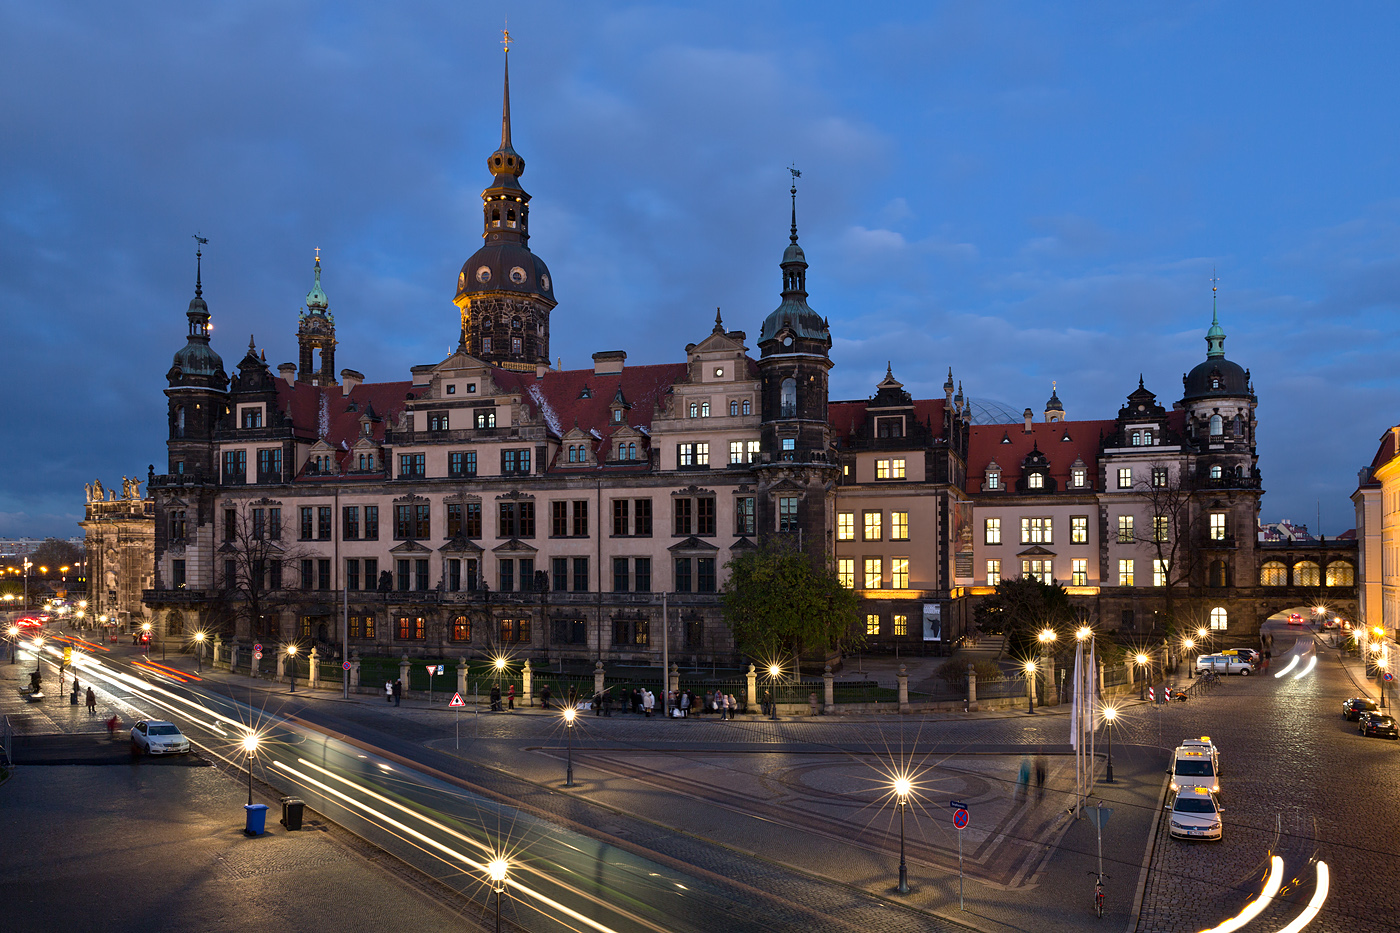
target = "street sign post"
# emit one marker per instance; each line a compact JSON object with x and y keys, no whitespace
{"x":432,"y":669}
{"x":458,"y":702}
{"x":345,"y":665}
{"x":960,"y":820}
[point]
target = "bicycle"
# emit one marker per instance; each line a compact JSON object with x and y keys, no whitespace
{"x":1098,"y":893}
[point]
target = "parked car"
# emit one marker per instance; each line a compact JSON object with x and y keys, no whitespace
{"x":1224,"y":664}
{"x":158,"y":738}
{"x":1353,"y":708}
{"x":1377,"y":723}
{"x":1194,"y":767}
{"x":1333,"y":622}
{"x":1196,"y":814}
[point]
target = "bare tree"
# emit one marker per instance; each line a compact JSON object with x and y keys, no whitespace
{"x":1168,"y":491}
{"x":256,"y":568}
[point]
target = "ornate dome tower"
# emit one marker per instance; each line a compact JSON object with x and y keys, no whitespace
{"x":197,"y":392}
{"x":504,"y":291}
{"x":316,"y":333}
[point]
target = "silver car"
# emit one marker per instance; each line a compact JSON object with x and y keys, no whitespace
{"x":158,"y":738}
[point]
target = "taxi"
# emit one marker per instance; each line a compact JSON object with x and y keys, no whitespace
{"x":1196,"y":814}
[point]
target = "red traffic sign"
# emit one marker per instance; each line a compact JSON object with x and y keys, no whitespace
{"x":257,"y":646}
{"x":1388,"y":675}
{"x":457,"y":700}
{"x":960,"y":819}
{"x":345,"y":665}
{"x":257,"y":654}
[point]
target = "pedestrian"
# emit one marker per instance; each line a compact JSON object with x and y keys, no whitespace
{"x":767,"y":705}
{"x":598,"y":703}
{"x":91,"y":702}
{"x":388,"y":691}
{"x":709,"y":702}
{"x":112,"y":726}
{"x":495,"y":698}
{"x":685,"y":704}
{"x":398,"y":691}
{"x":510,"y":699}
{"x":545,"y":696}
{"x":1039,"y":776}
{"x":636,"y":699}
{"x":1023,"y":780}
{"x":812,"y":701}
{"x":648,"y":702}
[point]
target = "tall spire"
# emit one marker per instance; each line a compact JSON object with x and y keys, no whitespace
{"x":794,"y":264}
{"x":505,"y":100}
{"x":1215,"y":337}
{"x":316,"y":301}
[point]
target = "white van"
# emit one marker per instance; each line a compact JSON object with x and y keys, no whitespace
{"x":1224,"y":664}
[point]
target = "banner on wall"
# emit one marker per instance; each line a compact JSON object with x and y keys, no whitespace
{"x":933,"y":621}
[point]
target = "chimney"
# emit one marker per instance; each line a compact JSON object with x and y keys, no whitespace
{"x":1029,"y":416}
{"x":349,"y":379}
{"x":541,"y":369}
{"x":609,"y":362}
{"x":288,"y":371}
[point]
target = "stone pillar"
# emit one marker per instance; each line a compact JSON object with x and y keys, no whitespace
{"x":828,"y":690}
{"x":1100,"y":678}
{"x":281,"y":665}
{"x":217,"y":645}
{"x":673,"y":679}
{"x":254,"y":662}
{"x":355,"y":669}
{"x":598,"y":677}
{"x":971,"y":689}
{"x":403,"y":673}
{"x":462,"y":676}
{"x":525,"y":675}
{"x":903,"y":678}
{"x":313,"y":669}
{"x":753,"y":687}
{"x":1052,"y":694}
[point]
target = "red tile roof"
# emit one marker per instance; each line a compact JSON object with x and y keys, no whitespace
{"x":848,"y":417}
{"x":304,"y":404}
{"x":985,"y":445}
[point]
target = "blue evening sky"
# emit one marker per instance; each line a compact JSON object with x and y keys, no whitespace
{"x":1026,"y":192}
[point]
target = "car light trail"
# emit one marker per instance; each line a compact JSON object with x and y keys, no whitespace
{"x":1272,"y":882}
{"x":455,"y":854}
{"x":1291,"y":664}
{"x":1312,"y":663}
{"x":1324,"y":882}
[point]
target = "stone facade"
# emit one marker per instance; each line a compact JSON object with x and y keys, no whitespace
{"x":119,"y":540}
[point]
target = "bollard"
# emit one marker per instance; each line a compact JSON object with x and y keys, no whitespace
{"x":903,"y":678}
{"x":971,"y":705}
{"x":829,"y":690}
{"x":527,"y":699}
{"x":753,"y":687}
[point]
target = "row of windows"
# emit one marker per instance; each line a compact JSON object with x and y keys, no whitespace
{"x":873,"y":573}
{"x":701,"y":409}
{"x":1307,"y":573}
{"x":1041,"y":530}
{"x":899,"y":624}
{"x":697,"y":454}
{"x":513,"y":631}
{"x":872,"y":526}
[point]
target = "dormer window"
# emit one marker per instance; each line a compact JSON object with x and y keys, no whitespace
{"x":1215,"y":382}
{"x":1077,"y":476}
{"x":1035,"y":481}
{"x":617,"y":416}
{"x":993,"y":479}
{"x":451,"y":389}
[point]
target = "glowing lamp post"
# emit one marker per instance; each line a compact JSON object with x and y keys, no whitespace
{"x":1188,"y":644}
{"x":1083,"y":633}
{"x":39,"y":653}
{"x":250,"y":747}
{"x":146,"y":630}
{"x":500,"y":665}
{"x":570,"y":714}
{"x":1141,"y":661}
{"x":1047,"y":638}
{"x":1110,"y":715}
{"x":902,"y":787}
{"x":1030,"y":686}
{"x":14,"y":641}
{"x":774,"y":672}
{"x":497,"y":871}
{"x":292,"y":660}
{"x":199,"y":651}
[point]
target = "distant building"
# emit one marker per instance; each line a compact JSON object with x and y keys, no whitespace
{"x":119,"y":538}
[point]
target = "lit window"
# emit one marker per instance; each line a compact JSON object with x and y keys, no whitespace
{"x":1161,"y":529}
{"x":872,"y":526}
{"x":694,"y":409}
{"x":1125,"y":572}
{"x":1217,"y":526}
{"x":1036,"y":531}
{"x":1159,"y":572}
{"x":1216,"y":472}
{"x":1340,"y":573}
{"x":736,"y":452}
{"x":1037,"y":570}
{"x":846,"y":572}
{"x":897,"y":468}
{"x":993,"y":479}
{"x":872,"y":624}
{"x":993,"y":572}
{"x":874,"y":573}
{"x":1159,"y":477}
{"x":845,"y":526}
{"x":1077,"y":476}
{"x":1079,"y":529}
{"x":900,"y":624}
{"x":1306,"y":573}
{"x":1218,"y":619}
{"x":1273,"y":573}
{"x":1125,"y":477}
{"x":704,"y":409}
{"x":899,"y":573}
{"x":993,"y":531}
{"x":1035,"y":481}
{"x":1079,"y":571}
{"x":882,"y":469}
{"x":787,"y":513}
{"x":899,"y":526}
{"x":1125,"y":529}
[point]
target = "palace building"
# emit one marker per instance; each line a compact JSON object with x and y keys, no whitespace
{"x":491,"y":501}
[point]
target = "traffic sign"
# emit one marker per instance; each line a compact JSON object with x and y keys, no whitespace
{"x":457,"y":700}
{"x":956,"y":805}
{"x":257,"y":654}
{"x":1098,"y":815}
{"x":257,"y":647}
{"x":960,"y":818}
{"x":1388,"y":675}
{"x":345,"y":665}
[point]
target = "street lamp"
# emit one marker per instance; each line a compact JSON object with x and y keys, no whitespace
{"x":1382,"y":662}
{"x":570,"y":714}
{"x":1047,"y":638}
{"x":500,"y":665}
{"x":39,"y":653}
{"x":1141,"y":660}
{"x":146,"y":629}
{"x":1110,"y":713}
{"x":497,"y":869}
{"x":1030,"y":686}
{"x":902,"y":787}
{"x":774,"y":672}
{"x":14,"y":641}
{"x":1083,"y":633}
{"x":199,"y":651}
{"x":1188,"y":644}
{"x":250,"y":746}
{"x":292,"y":660}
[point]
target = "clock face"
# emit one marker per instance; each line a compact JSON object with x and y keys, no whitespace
{"x":719,"y":371}
{"x":787,"y":341}
{"x":517,"y":275}
{"x":483,"y":275}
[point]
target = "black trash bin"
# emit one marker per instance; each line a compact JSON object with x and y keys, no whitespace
{"x":291,"y":812}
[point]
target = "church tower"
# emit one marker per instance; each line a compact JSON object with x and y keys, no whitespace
{"x":197,"y":391}
{"x":316,"y":333}
{"x":797,"y":474}
{"x":504,"y":291}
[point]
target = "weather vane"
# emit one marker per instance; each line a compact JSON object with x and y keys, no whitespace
{"x":506,"y":40}
{"x":318,"y":254}
{"x":795,"y":173}
{"x":200,"y":241}
{"x":1214,"y":280}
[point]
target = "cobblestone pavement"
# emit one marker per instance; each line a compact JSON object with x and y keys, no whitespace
{"x":1298,"y":782}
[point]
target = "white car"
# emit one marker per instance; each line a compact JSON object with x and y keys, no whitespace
{"x":158,"y":738}
{"x":1193,"y":766}
{"x":1223,"y":664}
{"x":1196,"y":814}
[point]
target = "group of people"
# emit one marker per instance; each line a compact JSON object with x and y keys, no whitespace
{"x":681,"y":703}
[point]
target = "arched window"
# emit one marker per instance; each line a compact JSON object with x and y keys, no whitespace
{"x":993,"y":479}
{"x":1217,"y":575}
{"x":631,"y":451}
{"x":787,"y":400}
{"x":1273,"y":573}
{"x":496,"y":216}
{"x":1307,"y":573}
{"x":179,"y":420}
{"x":704,"y":409}
{"x":734,"y":407}
{"x":1137,"y":438}
{"x":1218,"y":619}
{"x":1341,"y":573}
{"x":748,"y":407}
{"x":1035,"y":481}
{"x":1216,"y":472}
{"x":1238,"y":428}
{"x":510,"y":217}
{"x":1217,"y":426}
{"x":694,"y":409}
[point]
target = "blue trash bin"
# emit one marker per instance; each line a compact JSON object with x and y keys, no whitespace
{"x":257,"y":818}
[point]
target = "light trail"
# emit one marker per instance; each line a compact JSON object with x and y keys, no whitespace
{"x":1315,"y":905}
{"x":1312,"y":663}
{"x":462,"y":857}
{"x":1272,"y":882}
{"x":1291,"y":664}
